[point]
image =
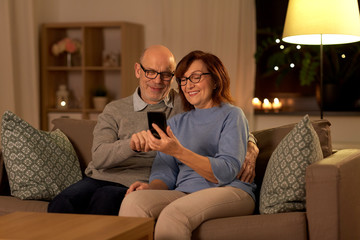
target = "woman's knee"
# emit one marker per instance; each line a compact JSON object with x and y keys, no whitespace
{"x":173,"y":223}
{"x":133,"y":205}
{"x":187,"y":213}
{"x":147,"y":203}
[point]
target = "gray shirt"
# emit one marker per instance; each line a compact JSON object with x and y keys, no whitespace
{"x":112,"y":158}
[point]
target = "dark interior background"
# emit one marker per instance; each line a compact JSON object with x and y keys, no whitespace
{"x":341,"y":75}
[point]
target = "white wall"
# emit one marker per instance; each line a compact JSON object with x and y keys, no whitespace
{"x":145,"y":12}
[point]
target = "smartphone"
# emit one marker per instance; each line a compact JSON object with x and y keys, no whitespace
{"x":159,"y":118}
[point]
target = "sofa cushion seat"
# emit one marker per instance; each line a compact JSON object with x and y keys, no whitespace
{"x":10,"y":204}
{"x":274,"y":226}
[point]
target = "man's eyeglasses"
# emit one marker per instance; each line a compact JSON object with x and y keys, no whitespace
{"x":194,"y":78}
{"x":152,"y":74}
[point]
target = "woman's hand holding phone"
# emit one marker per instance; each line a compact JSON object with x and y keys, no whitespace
{"x":167,"y":143}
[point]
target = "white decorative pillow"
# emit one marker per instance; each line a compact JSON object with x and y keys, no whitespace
{"x":39,"y":164}
{"x":283,"y":188}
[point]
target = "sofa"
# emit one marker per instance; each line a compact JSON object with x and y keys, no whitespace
{"x":332,"y":190}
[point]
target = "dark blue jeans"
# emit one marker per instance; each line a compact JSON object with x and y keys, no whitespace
{"x":89,"y":196}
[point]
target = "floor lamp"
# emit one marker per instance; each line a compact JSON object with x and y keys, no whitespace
{"x":322,"y":22}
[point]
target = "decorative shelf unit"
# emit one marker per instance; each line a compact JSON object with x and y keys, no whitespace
{"x":89,"y":69}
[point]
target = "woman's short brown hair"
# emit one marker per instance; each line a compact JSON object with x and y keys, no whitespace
{"x":218,"y":72}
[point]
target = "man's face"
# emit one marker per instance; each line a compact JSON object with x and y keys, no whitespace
{"x":154,"y":90}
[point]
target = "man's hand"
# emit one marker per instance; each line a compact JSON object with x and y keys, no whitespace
{"x":247,"y":171}
{"x":139,"y":142}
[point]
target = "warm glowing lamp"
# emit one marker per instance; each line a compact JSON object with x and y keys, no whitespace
{"x":322,"y":22}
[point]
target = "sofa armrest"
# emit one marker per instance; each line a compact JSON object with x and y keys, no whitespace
{"x":333,"y":196}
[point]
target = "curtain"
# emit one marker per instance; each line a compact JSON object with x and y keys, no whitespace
{"x":19,"y":78}
{"x":224,"y":28}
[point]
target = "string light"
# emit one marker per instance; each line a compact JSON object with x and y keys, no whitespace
{"x":298,"y":47}
{"x":276,"y":68}
{"x":292,"y":65}
{"x":277,"y":40}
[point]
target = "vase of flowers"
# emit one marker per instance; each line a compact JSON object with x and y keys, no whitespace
{"x":68,"y":46}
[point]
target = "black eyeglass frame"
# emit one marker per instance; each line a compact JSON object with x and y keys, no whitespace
{"x":185,"y":79}
{"x":157,"y":73}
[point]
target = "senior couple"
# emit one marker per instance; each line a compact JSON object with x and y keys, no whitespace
{"x":201,"y":168}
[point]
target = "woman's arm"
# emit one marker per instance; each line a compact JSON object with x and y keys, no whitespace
{"x":225,"y":164}
{"x":170,"y":145}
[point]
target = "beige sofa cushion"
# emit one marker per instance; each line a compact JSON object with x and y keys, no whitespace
{"x":10,"y":204}
{"x":273,"y":226}
{"x":80,"y":134}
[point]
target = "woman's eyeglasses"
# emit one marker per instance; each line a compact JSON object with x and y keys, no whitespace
{"x":194,"y":78}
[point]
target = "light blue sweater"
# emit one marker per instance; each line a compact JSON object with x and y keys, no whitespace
{"x":220,"y":133}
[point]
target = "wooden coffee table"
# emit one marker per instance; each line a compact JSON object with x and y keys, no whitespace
{"x":31,"y":225}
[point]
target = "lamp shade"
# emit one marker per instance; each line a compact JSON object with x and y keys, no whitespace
{"x":316,"y":22}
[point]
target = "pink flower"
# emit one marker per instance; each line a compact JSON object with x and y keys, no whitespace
{"x":70,"y":46}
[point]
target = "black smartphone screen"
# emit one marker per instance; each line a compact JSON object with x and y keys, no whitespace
{"x":159,"y":119}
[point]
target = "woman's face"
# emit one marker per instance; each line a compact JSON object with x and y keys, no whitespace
{"x":199,"y":94}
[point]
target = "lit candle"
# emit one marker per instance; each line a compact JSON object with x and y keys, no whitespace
{"x":266,"y":105}
{"x":256,"y":103}
{"x":276,"y":105}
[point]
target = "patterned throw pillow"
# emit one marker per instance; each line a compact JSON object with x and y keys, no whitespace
{"x":39,"y":164}
{"x":283,"y":188}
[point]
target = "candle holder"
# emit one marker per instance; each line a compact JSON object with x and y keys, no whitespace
{"x":62,"y":97}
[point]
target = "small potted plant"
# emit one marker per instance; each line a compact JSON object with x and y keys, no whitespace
{"x":100,"y":98}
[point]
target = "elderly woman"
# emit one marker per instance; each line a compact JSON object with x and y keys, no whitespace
{"x":194,"y":176}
